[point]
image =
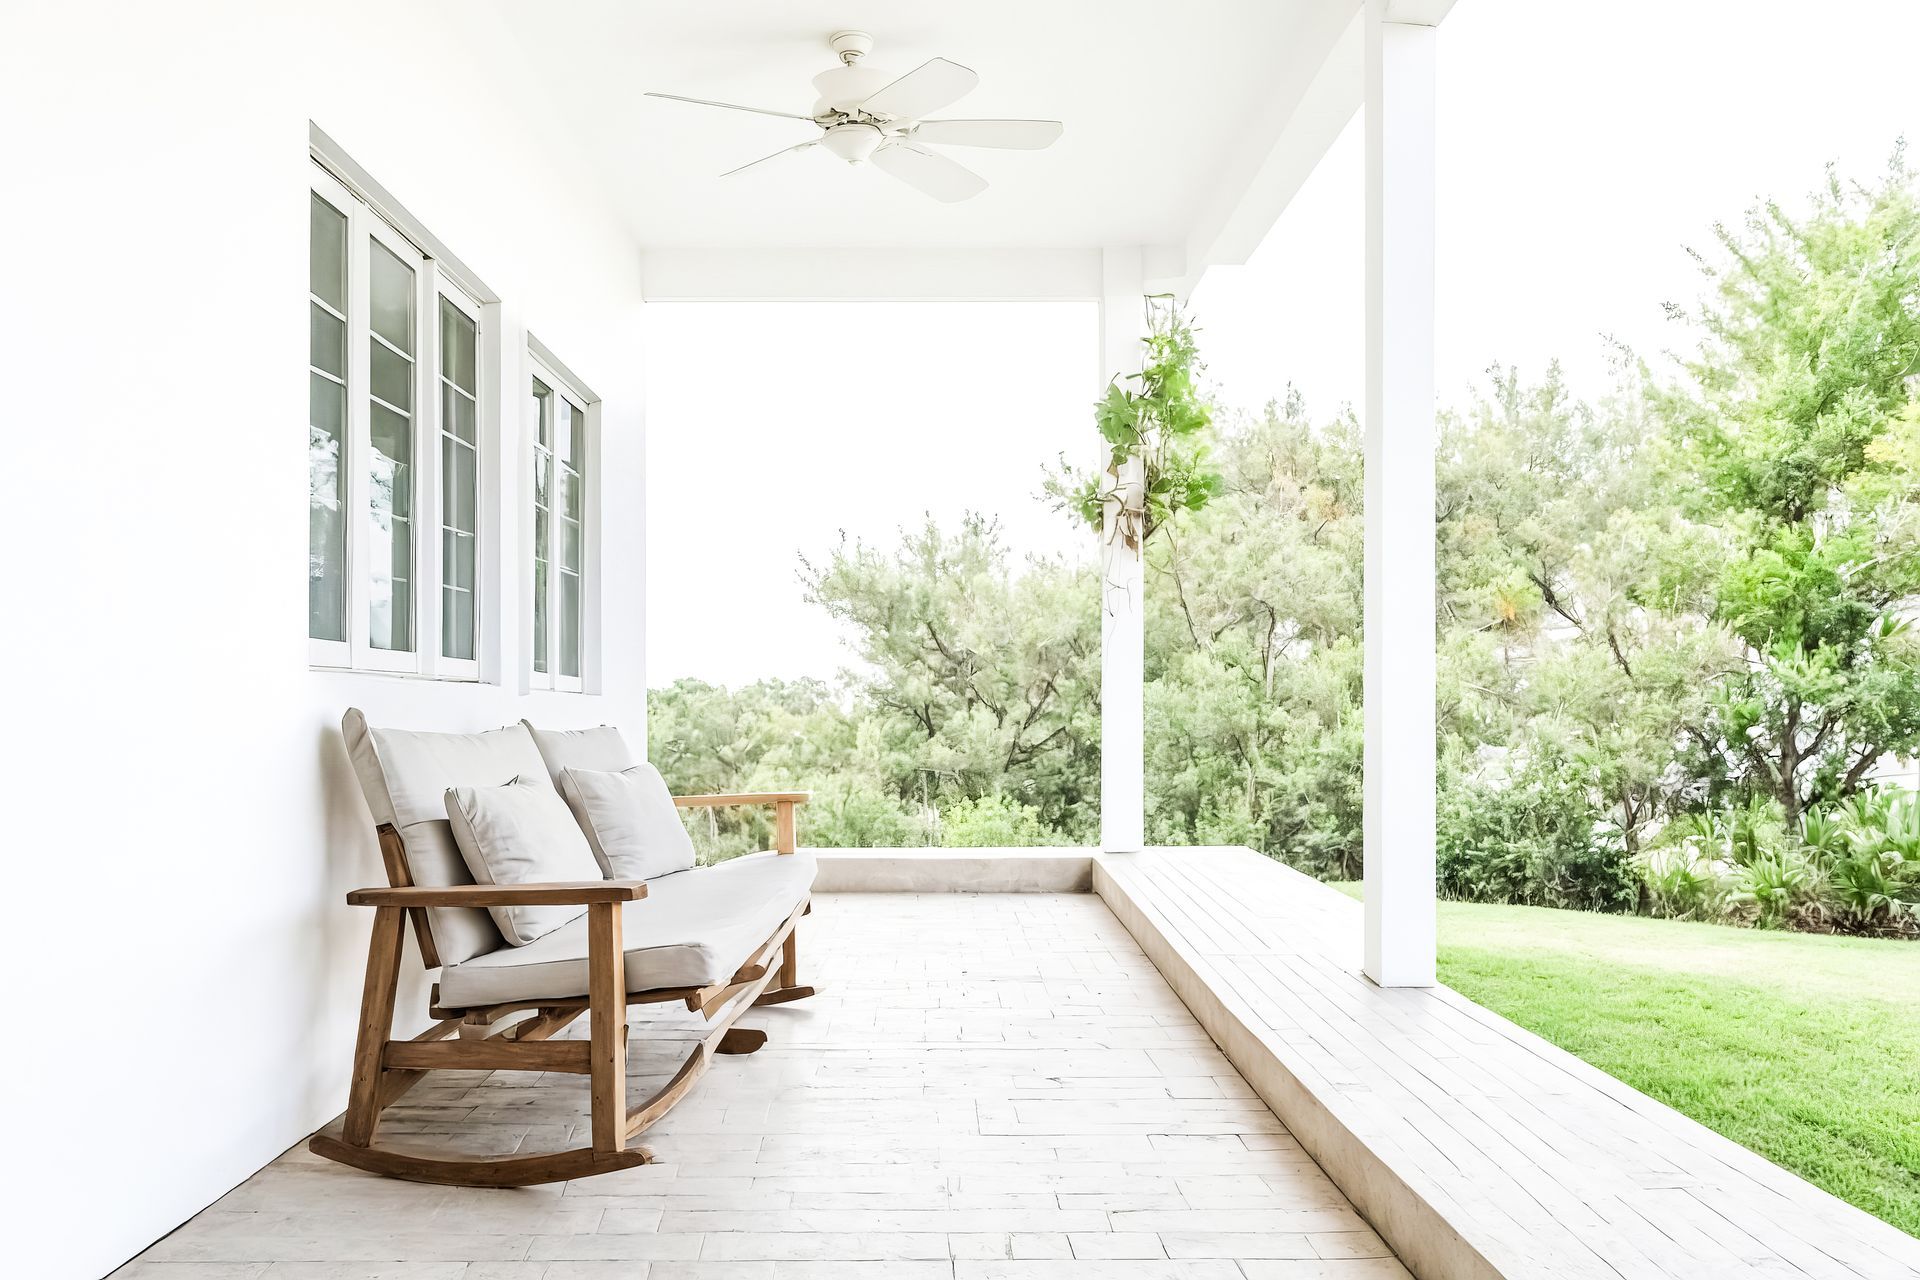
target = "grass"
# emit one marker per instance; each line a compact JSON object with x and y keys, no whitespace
{"x":1803,"y":1048}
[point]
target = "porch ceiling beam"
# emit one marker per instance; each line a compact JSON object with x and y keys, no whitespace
{"x":865,"y":274}
{"x":1277,"y":148}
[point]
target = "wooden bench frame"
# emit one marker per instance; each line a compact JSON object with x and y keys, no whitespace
{"x":477,"y":1039}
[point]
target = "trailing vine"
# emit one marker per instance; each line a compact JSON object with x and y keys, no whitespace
{"x":1161,"y":422}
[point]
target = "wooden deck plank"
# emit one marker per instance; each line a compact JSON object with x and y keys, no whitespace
{"x":1543,"y":1165}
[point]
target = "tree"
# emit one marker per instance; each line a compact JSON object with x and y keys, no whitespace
{"x":986,"y":679}
{"x":1253,"y":667}
{"x":1797,"y":417}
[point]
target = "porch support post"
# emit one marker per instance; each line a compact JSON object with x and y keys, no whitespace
{"x":1122,"y":614}
{"x":1399,"y":592}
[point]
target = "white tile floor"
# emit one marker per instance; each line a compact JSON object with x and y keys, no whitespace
{"x":988,"y":1087}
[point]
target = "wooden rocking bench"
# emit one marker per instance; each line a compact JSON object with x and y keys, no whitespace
{"x":711,"y":951}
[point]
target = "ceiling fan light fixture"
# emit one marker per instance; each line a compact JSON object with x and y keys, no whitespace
{"x":852,"y":142}
{"x":867,"y":114}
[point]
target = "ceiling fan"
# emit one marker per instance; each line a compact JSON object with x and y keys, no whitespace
{"x":865,"y":114}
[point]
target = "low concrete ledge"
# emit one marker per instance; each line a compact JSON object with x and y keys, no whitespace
{"x":954,"y":871}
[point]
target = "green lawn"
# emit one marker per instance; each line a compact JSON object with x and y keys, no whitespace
{"x":1804,"y":1048}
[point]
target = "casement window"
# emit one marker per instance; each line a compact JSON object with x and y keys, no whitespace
{"x":393,"y":449}
{"x":560,"y":427}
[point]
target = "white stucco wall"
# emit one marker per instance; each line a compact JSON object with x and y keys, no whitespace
{"x":181,"y":821}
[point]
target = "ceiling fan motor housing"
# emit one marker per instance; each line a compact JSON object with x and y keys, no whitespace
{"x":843,"y":89}
{"x":852,"y":142}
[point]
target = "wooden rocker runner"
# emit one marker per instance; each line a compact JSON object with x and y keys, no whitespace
{"x":720,"y":939}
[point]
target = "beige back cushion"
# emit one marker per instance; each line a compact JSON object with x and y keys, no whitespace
{"x":603,"y":750}
{"x":630,"y":821}
{"x":521,"y":833}
{"x":405,"y":776}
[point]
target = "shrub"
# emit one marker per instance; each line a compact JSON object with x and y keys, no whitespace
{"x":1866,"y":890}
{"x":1536,"y":840}
{"x":1684,"y":882}
{"x":994,"y":821}
{"x":1776,"y":888}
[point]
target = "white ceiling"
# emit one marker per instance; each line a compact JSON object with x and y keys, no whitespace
{"x":1154,"y":96}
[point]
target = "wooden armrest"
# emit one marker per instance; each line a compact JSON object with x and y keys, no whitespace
{"x":558,"y":893}
{"x":746,"y":797}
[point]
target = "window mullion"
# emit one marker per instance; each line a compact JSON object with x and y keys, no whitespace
{"x":359,"y":441}
{"x":429,"y":493}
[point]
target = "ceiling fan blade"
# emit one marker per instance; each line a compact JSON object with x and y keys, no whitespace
{"x":784,"y":151}
{"x":928,"y":87}
{"x":731,"y":106}
{"x":1014,"y":135}
{"x":947,"y":181}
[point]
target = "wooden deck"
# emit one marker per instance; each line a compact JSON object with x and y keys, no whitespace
{"x":1475,"y":1147}
{"x":1179,"y":1074}
{"x":994,"y":1087}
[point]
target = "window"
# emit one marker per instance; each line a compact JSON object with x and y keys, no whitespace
{"x":459,"y":479}
{"x":558,"y":424}
{"x":393,"y":449}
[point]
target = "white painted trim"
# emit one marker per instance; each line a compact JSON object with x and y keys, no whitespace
{"x":431,"y":282}
{"x":542,"y":365}
{"x":485,"y":523}
{"x":333,"y":158}
{"x":934,"y":275}
{"x":1399,"y":632}
{"x":1277,"y":150}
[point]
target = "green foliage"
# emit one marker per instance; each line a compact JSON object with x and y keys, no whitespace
{"x":1684,"y":883}
{"x":994,"y":821}
{"x":1532,"y":838}
{"x":1672,"y":624}
{"x":1160,"y":422}
{"x":1796,"y":426}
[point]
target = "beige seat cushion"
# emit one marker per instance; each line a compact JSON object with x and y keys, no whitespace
{"x":405,"y":776}
{"x":521,"y":833}
{"x":693,"y":928}
{"x":630,"y":821}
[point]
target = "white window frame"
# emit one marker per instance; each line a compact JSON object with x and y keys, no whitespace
{"x":442,"y":666}
{"x":431,"y":283}
{"x":542,"y":365}
{"x":339,"y":653}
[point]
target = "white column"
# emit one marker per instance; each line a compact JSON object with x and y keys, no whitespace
{"x":1399,"y":593}
{"x":1122,"y":615}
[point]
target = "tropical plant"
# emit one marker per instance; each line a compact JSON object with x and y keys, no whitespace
{"x":1683,"y":881}
{"x":1775,"y":887}
{"x":1155,"y":432}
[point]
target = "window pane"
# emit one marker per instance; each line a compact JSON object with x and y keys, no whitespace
{"x":327,"y":254}
{"x":456,"y":623}
{"x":326,"y":522}
{"x":543,"y":413}
{"x":457,"y":414}
{"x":569,"y":625}
{"x":326,"y":422}
{"x":392,"y":375}
{"x":540,"y":616}
{"x":391,"y":540}
{"x":459,"y":484}
{"x":459,"y":343}
{"x":457,"y":551}
{"x":326,"y":340}
{"x":390,"y":296}
{"x":570,"y":545}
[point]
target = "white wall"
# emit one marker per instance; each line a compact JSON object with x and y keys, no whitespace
{"x":182,"y":823}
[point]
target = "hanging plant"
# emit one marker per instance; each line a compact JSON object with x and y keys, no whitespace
{"x":1158,"y":422}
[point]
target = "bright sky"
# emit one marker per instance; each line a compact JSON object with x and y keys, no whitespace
{"x":1580,"y":148}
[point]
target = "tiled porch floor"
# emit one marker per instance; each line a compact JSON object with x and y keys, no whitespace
{"x":987,"y":1086}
